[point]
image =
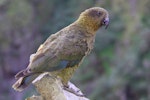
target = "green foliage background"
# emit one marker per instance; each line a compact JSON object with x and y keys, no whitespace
{"x":118,"y":67}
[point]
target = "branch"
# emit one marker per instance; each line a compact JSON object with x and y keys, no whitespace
{"x":50,"y":88}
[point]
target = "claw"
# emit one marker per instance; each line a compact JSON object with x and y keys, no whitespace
{"x":77,"y":93}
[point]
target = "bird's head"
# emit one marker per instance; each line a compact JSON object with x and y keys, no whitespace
{"x":94,"y":18}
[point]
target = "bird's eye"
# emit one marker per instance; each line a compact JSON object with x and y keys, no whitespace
{"x":99,"y":14}
{"x":95,"y":13}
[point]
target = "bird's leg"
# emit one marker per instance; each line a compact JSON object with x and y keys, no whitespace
{"x":69,"y":89}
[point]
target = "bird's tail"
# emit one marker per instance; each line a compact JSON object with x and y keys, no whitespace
{"x":24,"y":81}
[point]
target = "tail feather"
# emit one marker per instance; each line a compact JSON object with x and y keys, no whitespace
{"x":19,"y":85}
{"x":24,"y":82}
{"x":22,"y":73}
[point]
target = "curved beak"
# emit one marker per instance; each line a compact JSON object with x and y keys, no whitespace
{"x":106,"y":22}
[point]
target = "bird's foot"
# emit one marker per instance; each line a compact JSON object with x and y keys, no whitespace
{"x":77,"y":93}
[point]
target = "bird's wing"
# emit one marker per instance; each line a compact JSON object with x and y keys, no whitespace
{"x":46,"y":55}
{"x":55,"y":53}
{"x":59,"y":51}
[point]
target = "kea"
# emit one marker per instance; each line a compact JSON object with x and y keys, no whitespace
{"x":62,"y":53}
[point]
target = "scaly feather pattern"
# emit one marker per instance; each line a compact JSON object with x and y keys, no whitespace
{"x":62,"y":53}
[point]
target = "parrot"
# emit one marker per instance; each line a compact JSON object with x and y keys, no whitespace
{"x":63,"y":52}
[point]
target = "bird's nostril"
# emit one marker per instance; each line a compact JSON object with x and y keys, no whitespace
{"x":106,"y":22}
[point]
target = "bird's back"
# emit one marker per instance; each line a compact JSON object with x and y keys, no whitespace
{"x":75,"y":45}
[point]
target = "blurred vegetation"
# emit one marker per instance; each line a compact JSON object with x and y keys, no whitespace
{"x":117,"y":69}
